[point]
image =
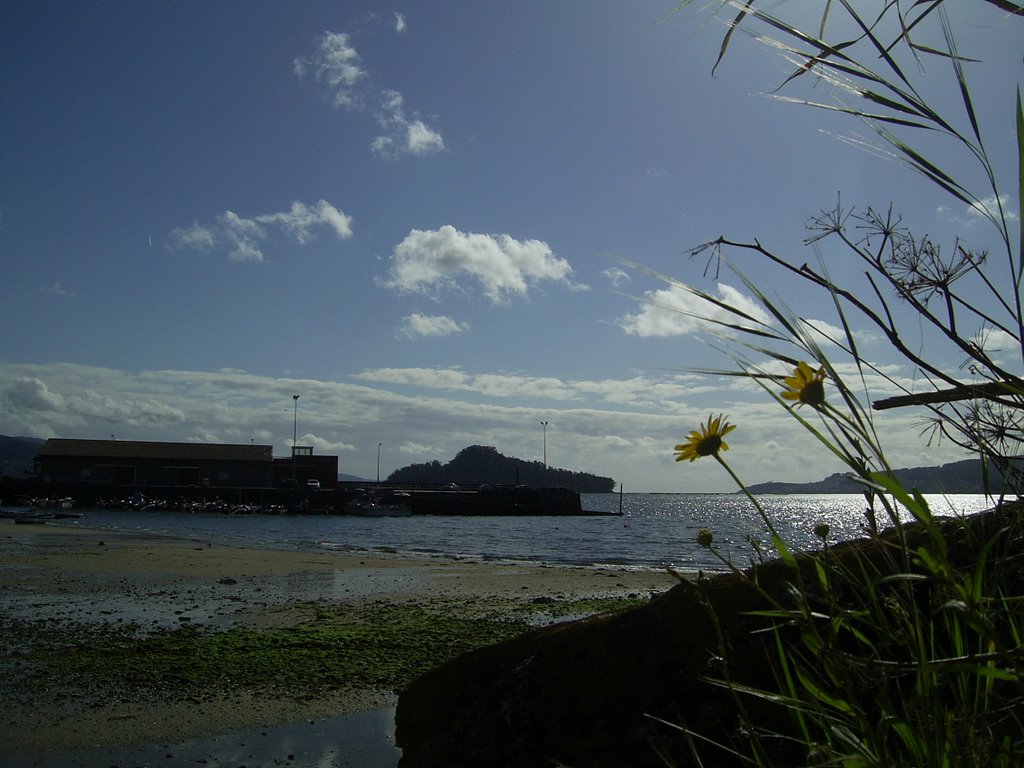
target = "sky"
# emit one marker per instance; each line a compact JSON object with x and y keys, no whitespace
{"x":425,"y":220}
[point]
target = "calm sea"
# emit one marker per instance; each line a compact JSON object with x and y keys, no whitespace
{"x":655,"y":530}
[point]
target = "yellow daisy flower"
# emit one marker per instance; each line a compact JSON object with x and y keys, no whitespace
{"x":707,"y":442}
{"x":805,"y":385}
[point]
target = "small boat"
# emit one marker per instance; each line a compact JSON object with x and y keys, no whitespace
{"x":372,"y":508}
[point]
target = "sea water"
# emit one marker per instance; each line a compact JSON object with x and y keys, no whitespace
{"x":654,"y":531}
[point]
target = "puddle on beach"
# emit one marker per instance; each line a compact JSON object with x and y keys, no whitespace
{"x":362,"y":740}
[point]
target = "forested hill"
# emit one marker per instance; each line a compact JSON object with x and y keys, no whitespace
{"x":957,"y":477}
{"x":480,"y":465}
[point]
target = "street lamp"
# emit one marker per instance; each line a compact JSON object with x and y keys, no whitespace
{"x":544,"y":424}
{"x":295,"y":431}
{"x":378,"y":462}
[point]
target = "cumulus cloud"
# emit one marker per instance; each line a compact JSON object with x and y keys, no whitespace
{"x":429,"y":260}
{"x":418,"y":325}
{"x":33,"y":395}
{"x":674,"y":311}
{"x":323,"y":445}
{"x":336,"y":63}
{"x":243,"y":236}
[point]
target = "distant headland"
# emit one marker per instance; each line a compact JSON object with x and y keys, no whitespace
{"x":957,"y":477}
{"x":483,"y":465}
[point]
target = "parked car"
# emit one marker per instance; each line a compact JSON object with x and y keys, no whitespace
{"x":314,"y":484}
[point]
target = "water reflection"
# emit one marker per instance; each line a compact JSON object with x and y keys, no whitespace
{"x":362,"y":740}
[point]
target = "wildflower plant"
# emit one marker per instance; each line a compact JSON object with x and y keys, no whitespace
{"x":907,"y":650}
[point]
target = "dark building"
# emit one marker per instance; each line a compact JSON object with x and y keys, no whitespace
{"x":134,"y":462}
{"x":303,"y":467}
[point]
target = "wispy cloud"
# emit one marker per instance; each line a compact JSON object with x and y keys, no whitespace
{"x":418,"y":325}
{"x":638,"y":391}
{"x":56,"y":289}
{"x":981,"y":210}
{"x":617,"y":277}
{"x":336,"y":63}
{"x":429,"y":260}
{"x":242,"y":237}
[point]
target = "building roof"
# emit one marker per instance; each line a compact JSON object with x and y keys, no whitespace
{"x":138,"y":449}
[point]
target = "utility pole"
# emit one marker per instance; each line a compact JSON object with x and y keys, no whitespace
{"x":544,"y":425}
{"x":295,"y":431}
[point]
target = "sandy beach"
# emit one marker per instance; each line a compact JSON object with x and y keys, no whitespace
{"x":59,"y":583}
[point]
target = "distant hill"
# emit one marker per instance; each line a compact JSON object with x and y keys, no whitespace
{"x":957,"y":477}
{"x":343,"y":478}
{"x":17,"y":454}
{"x":480,"y":465}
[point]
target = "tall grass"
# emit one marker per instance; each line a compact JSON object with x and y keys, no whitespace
{"x":908,"y":651}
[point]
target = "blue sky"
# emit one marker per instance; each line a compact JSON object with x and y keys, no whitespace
{"x":415,"y":217}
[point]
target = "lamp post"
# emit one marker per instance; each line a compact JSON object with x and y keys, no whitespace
{"x":378,"y":462}
{"x":295,"y":430}
{"x":544,"y":425}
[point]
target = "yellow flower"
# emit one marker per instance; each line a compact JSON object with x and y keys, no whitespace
{"x":707,"y":442}
{"x":805,"y":385}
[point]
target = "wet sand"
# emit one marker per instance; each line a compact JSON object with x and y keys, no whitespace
{"x":68,"y":574}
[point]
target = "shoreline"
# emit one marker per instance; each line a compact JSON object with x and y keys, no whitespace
{"x":63,"y":577}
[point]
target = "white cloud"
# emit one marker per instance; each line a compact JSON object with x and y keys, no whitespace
{"x":974,"y":213}
{"x":31,"y":394}
{"x":674,"y":311}
{"x":243,"y":236}
{"x":433,"y":378}
{"x":991,"y":205}
{"x":622,"y":428}
{"x":323,"y":445}
{"x":429,"y":260}
{"x":825,"y":333}
{"x":336,"y":63}
{"x":419,"y":325}
{"x":194,"y":238}
{"x":617,"y":277}
{"x":1001,"y":346}
{"x":638,"y":391}
{"x":421,"y":139}
{"x":57,"y":290}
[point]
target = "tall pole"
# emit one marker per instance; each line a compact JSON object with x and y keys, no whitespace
{"x":295,"y":431}
{"x":378,"y":462}
{"x":544,"y":425}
